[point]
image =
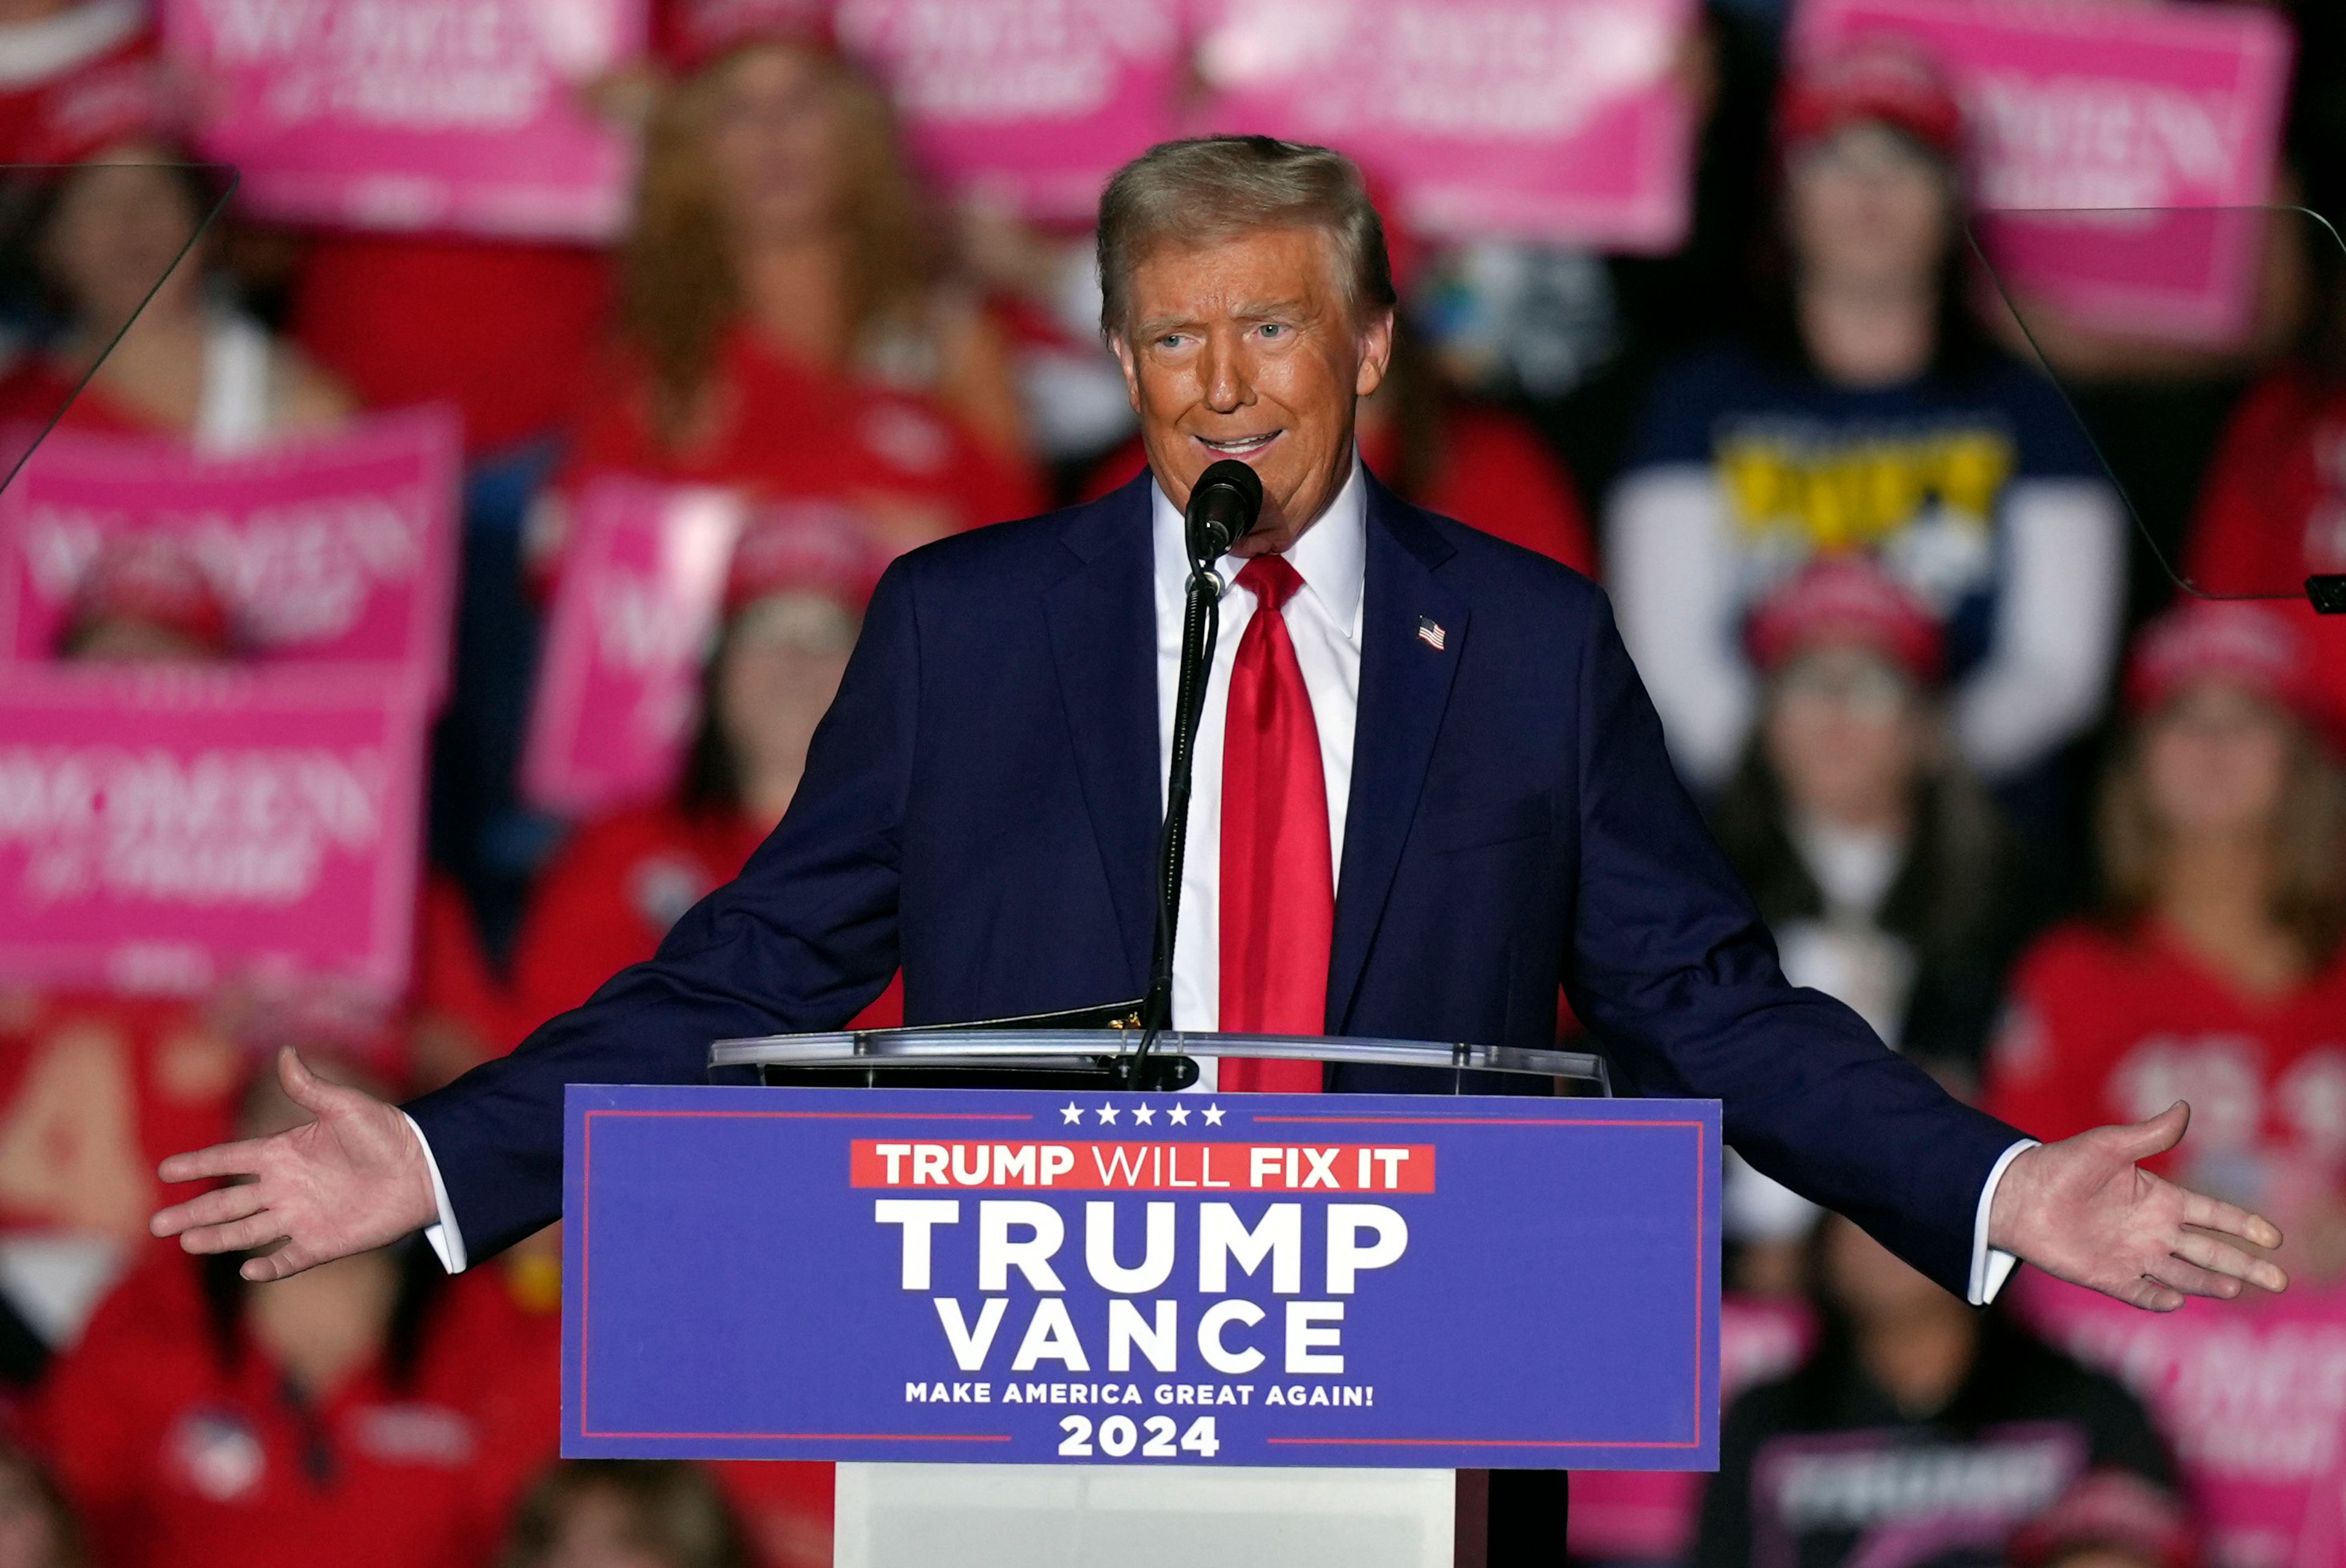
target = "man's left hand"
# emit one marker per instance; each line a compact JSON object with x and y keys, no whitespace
{"x":2084,"y":1211}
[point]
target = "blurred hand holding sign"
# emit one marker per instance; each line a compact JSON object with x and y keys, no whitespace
{"x":1557,"y":119}
{"x":340,"y":550}
{"x":443,"y":115}
{"x":2102,"y":134}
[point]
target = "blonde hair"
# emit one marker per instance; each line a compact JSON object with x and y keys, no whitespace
{"x":1211,"y":188}
{"x":2308,"y":847}
{"x":679,"y":293}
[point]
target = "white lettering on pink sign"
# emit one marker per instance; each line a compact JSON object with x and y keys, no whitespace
{"x":2119,"y":109}
{"x":417,"y":113}
{"x":1556,"y":119}
{"x":340,"y":550}
{"x":1031,"y":103}
{"x":618,"y":685}
{"x":177,"y":826}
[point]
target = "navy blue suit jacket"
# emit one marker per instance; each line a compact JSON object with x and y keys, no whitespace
{"x":980,"y":808}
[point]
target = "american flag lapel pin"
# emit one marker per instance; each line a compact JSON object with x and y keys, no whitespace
{"x":1430,"y":632}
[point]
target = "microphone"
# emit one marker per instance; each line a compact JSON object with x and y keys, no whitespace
{"x":1224,"y":506}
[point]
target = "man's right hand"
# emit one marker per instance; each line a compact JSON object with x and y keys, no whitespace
{"x":351,"y":1180}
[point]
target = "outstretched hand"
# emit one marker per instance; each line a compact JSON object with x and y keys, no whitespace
{"x":2083,"y":1210}
{"x":351,"y":1180}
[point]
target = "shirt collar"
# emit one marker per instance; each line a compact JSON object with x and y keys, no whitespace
{"x":1330,"y":555}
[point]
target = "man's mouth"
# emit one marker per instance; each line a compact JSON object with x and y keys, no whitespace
{"x":1239,"y":445}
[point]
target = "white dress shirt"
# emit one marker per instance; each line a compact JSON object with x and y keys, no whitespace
{"x":1324,"y":621}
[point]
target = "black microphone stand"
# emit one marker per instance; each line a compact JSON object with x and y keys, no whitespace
{"x":1200,"y":623}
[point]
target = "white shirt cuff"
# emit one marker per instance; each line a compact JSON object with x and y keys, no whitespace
{"x":448,"y":1241}
{"x":1991,"y":1265}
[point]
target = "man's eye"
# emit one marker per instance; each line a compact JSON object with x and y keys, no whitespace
{"x":1274,"y":330}
{"x":1170,"y":341}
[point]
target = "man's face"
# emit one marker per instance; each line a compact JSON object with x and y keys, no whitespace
{"x":1246,"y":349}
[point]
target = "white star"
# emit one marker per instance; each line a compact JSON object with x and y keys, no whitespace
{"x":1144,"y":1114}
{"x":1107,"y":1114}
{"x":1071,"y":1113}
{"x":1179,"y":1115}
{"x":1213,"y":1115}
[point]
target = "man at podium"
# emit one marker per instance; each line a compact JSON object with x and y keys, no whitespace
{"x":1430,"y":791}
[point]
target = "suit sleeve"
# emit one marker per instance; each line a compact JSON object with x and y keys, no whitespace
{"x":1672,"y":968}
{"x":802,"y":939}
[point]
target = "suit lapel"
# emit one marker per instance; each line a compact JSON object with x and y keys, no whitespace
{"x":1404,"y":689}
{"x":1103,"y":622}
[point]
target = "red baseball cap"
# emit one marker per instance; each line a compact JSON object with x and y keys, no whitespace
{"x":155,"y":578}
{"x":1875,"y":80}
{"x":808,"y":547}
{"x":1847,"y":599}
{"x":695,"y":32}
{"x":2256,"y":646}
{"x":133,"y":101}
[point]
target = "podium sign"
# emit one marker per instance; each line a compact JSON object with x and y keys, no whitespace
{"x":1016,"y":1276}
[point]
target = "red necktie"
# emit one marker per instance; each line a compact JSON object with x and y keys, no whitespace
{"x":1278,"y":882}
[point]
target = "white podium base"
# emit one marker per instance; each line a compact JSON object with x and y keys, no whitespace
{"x":1117,"y":1516}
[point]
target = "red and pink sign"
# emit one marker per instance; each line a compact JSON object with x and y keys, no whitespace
{"x":2252,"y":1394}
{"x":168,"y":829}
{"x":618,"y":685}
{"x":1029,"y":103}
{"x":443,"y":115}
{"x":1556,"y":119}
{"x":2123,"y":109}
{"x":340,"y":550}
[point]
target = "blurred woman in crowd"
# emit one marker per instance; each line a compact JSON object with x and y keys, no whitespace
{"x":368,"y":1412}
{"x":1919,"y":1432}
{"x":1868,"y":415}
{"x":615,"y":1513}
{"x":1884,"y":871}
{"x":794,"y":603}
{"x":786,"y":323}
{"x":2215,"y":973}
{"x":189,"y":363}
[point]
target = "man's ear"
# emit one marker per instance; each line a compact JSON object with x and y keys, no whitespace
{"x":1122,"y":348}
{"x":1376,"y":341}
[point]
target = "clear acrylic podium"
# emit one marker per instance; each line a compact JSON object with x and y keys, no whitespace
{"x":1077,"y":1516}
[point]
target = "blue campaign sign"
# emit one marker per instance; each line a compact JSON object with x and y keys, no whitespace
{"x":1253,"y":1279}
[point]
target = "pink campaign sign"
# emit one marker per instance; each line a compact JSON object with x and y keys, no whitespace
{"x":167,"y":829}
{"x":2123,"y":109}
{"x":618,"y":685}
{"x":1552,"y":119}
{"x":2252,"y":1394}
{"x":1029,"y":103}
{"x":340,"y":549}
{"x":444,"y":115}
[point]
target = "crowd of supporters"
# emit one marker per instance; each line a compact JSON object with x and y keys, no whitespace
{"x":2071,"y":839}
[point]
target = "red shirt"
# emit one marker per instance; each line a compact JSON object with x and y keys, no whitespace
{"x":2107,"y":1028}
{"x":175,"y":1461}
{"x":506,"y":331}
{"x":1494,"y":475}
{"x":784,"y":428}
{"x":34,"y":392}
{"x":2274,"y":510}
{"x":612,"y":894}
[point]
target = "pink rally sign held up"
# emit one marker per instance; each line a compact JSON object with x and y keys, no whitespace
{"x":2128,"y":111}
{"x":1553,"y":119}
{"x":444,"y":115}
{"x":618,"y":685}
{"x":170,"y":829}
{"x":340,"y":550}
{"x":1030,"y":102}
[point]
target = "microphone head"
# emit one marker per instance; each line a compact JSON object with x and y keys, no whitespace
{"x":1224,"y":506}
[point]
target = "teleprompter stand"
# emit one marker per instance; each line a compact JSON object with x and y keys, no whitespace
{"x":1074,"y":1516}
